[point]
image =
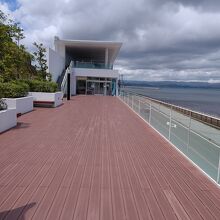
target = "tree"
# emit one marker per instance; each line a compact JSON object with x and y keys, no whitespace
{"x":17,"y":33}
{"x":15,"y":61}
{"x":41,"y":62}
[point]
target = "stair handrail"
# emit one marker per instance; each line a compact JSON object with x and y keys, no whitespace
{"x":64,"y":81}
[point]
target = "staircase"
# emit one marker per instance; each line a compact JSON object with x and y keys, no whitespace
{"x":62,"y":79}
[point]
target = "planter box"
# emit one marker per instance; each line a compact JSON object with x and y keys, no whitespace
{"x":22,"y":105}
{"x":8,"y":119}
{"x":47,"y":99}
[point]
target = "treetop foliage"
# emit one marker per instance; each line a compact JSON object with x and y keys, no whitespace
{"x":15,"y":60}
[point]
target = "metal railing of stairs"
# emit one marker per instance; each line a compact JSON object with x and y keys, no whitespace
{"x":62,"y":80}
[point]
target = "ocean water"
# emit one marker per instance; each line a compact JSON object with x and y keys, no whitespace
{"x":198,"y":99}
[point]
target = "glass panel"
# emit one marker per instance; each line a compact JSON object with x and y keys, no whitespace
{"x":81,"y":87}
{"x":164,"y":109}
{"x":90,"y":88}
{"x":109,"y":89}
{"x":211,"y":133}
{"x":130,"y":100}
{"x":155,"y":105}
{"x":145,"y":110}
{"x":136,"y":104}
{"x":91,"y":65}
{"x":179,"y":136}
{"x":205,"y":154}
{"x":197,"y":140}
{"x":218,"y":175}
{"x":181,"y":118}
{"x":101,"y":88}
{"x":160,"y":122}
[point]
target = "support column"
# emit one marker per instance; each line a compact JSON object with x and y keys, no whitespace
{"x":68,"y":86}
{"x":106,"y":57}
{"x":116,"y":87}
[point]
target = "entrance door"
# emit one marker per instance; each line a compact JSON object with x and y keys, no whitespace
{"x":108,"y":88}
{"x":81,"y":87}
{"x":99,"y":88}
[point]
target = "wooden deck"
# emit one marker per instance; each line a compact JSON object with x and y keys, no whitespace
{"x":93,"y":158}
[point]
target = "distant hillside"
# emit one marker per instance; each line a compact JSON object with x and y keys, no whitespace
{"x":171,"y":84}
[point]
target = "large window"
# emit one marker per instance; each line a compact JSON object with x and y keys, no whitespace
{"x":81,"y":87}
{"x":95,"y":86}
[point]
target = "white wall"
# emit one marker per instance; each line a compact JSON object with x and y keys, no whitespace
{"x":73,"y":84}
{"x":108,"y":73}
{"x":22,"y":105}
{"x":8,"y":119}
{"x":60,"y":48}
{"x":56,"y":97}
{"x":56,"y":63}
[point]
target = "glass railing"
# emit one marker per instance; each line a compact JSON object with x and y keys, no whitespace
{"x":91,"y":65}
{"x":198,"y":140}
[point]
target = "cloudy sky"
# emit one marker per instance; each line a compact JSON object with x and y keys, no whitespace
{"x":162,"y":39}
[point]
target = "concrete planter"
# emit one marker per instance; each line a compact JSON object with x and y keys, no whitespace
{"x":22,"y":105}
{"x":44,"y":98}
{"x":8,"y":119}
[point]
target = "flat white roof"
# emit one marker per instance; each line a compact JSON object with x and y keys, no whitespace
{"x":91,"y":45}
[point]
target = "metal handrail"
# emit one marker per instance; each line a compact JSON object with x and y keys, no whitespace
{"x":182,"y":108}
{"x":64,"y":82}
{"x":167,"y":104}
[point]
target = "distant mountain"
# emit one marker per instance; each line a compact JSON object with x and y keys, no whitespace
{"x":171,"y":84}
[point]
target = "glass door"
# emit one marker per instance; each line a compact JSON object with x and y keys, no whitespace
{"x":90,"y":89}
{"x":81,"y":87}
{"x":98,"y":87}
{"x":108,"y":88}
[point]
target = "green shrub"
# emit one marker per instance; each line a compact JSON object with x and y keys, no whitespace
{"x":42,"y":86}
{"x":13,"y":90}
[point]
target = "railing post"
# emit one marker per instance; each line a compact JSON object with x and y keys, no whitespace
{"x":139,"y":106}
{"x":170,"y":124}
{"x":218,"y":175}
{"x":128,"y":99}
{"x":68,"y":86}
{"x":189,"y":131}
{"x":132,"y":101}
{"x":150,"y":113}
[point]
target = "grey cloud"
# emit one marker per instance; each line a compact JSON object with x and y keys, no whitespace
{"x":162,"y":39}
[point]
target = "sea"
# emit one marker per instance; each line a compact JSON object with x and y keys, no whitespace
{"x":204,"y":100}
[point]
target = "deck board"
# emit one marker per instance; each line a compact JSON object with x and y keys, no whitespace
{"x":93,"y":158}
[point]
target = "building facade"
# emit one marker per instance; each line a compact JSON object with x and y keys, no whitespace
{"x":90,"y":64}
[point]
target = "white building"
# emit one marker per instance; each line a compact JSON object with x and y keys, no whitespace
{"x":90,"y":64}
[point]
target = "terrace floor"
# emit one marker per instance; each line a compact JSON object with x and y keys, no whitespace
{"x":93,"y":158}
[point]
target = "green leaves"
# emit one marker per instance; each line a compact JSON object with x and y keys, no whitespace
{"x":41,"y":62}
{"x":42,"y":86}
{"x":15,"y":61}
{"x":13,"y":89}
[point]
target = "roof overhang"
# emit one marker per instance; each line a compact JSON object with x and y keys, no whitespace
{"x":90,"y":45}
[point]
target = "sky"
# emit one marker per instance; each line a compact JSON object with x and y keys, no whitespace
{"x":162,"y":39}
